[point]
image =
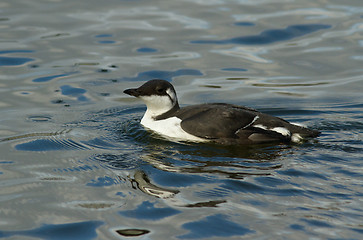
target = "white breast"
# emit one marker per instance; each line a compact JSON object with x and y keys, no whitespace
{"x":169,"y":127}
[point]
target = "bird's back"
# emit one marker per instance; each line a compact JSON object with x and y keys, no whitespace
{"x":225,"y":123}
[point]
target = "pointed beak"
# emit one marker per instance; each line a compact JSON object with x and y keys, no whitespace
{"x":132,"y":92}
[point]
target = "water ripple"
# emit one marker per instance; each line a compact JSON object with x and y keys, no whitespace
{"x":49,"y":78}
{"x":76,"y":230}
{"x":120,"y":18}
{"x":270,"y":36}
{"x":51,"y":144}
{"x":166,"y":75}
{"x":14,"y":61}
{"x":217,"y":225}
{"x":309,"y":13}
{"x":299,"y":60}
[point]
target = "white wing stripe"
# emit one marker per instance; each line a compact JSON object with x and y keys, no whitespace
{"x":254,"y":120}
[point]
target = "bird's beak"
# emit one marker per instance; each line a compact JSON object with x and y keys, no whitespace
{"x":132,"y":92}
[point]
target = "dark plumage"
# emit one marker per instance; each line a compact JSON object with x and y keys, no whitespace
{"x":217,"y":122}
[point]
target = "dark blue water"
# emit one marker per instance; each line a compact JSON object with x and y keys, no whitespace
{"x":76,"y":163}
{"x":84,"y":230}
{"x":269,"y":36}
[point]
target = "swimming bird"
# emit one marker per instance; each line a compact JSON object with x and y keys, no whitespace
{"x":221,"y":123}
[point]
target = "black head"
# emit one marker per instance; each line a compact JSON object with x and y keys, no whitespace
{"x":158,"y":95}
{"x":153,"y":87}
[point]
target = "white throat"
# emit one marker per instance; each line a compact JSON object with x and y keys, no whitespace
{"x":157,"y":105}
{"x":170,"y":127}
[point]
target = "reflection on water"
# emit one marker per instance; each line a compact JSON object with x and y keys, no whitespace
{"x":132,"y":232}
{"x":229,"y":162}
{"x":270,"y":36}
{"x":143,"y":183}
{"x":14,"y":61}
{"x":76,"y":163}
{"x":166,"y":75}
{"x":217,"y":225}
{"x":49,"y":78}
{"x":81,"y":230}
{"x":218,"y":177}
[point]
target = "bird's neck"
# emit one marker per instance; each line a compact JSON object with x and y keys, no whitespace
{"x":169,"y":113}
{"x":155,"y":114}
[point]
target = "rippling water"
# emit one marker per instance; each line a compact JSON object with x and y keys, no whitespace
{"x":76,"y":164}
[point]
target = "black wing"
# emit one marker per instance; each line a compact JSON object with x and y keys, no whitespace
{"x":226,"y":123}
{"x":214,"y":121}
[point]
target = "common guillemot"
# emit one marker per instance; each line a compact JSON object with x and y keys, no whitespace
{"x":212,"y":122}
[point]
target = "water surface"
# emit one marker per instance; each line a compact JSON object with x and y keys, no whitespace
{"x":76,"y":164}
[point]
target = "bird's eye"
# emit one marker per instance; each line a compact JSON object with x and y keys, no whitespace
{"x":160,"y":90}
